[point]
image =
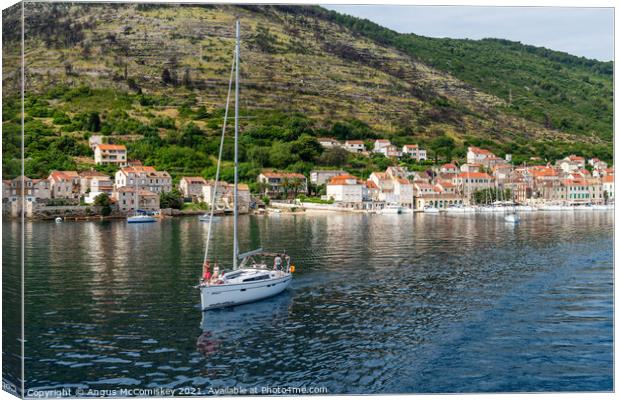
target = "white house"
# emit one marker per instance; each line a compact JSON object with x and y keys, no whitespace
{"x":469,"y":182}
{"x":147,"y":179}
{"x":354,"y":146}
{"x":97,"y":186}
{"x":571,"y":163}
{"x":403,"y":192}
{"x":390,"y":151}
{"x":448,"y":169}
{"x":282,"y":183}
{"x":476,"y":155}
{"x":64,"y":184}
{"x":381,"y":144}
{"x":33,"y":189}
{"x":345,"y":189}
{"x":423,"y":189}
{"x":111,"y":154}
{"x":126,"y":199}
{"x":191,"y":186}
{"x":471,"y":167}
{"x":414,"y":151}
{"x":328,"y":143}
{"x":86,"y":178}
{"x":320,"y":177}
{"x":94,"y":141}
{"x":225,"y":195}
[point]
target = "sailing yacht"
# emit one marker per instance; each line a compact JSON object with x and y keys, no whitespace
{"x":252,"y":278}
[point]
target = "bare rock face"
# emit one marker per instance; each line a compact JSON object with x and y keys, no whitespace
{"x":292,"y":60}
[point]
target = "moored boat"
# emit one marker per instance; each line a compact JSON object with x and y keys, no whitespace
{"x":391,"y":208}
{"x":140,"y":218}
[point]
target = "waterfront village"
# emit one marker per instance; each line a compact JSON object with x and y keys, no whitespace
{"x":483,"y":178}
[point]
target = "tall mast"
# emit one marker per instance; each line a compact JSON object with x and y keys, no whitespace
{"x":235,"y":195}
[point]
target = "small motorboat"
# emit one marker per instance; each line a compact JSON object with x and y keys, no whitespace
{"x":208,"y":218}
{"x":140,"y":219}
{"x":58,"y":220}
{"x":431,"y":210}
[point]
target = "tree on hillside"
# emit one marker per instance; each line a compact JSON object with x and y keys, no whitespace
{"x":94,"y":122}
{"x":307,"y":148}
{"x":336,"y":157}
{"x":443,"y":145}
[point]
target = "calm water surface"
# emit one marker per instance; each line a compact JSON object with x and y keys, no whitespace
{"x":379,"y":304}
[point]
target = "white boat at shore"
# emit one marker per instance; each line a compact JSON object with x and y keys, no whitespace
{"x":391,"y":209}
{"x":431,"y":210}
{"x":460,"y":210}
{"x":208,"y":217}
{"x":523,"y":208}
{"x":140,"y":219}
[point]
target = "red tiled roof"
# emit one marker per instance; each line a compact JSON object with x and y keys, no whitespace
{"x":342,"y":180}
{"x":138,"y":168}
{"x":381,"y":175}
{"x":112,"y":147}
{"x":448,"y":166}
{"x":354,"y":142}
{"x":475,"y":175}
{"x":412,"y":146}
{"x":543,"y":171}
{"x":608,"y":179}
{"x":92,"y":173}
{"x":63,"y":175}
{"x":371,"y":185}
{"x":273,"y":174}
{"x":478,"y":150}
{"x":194,"y":179}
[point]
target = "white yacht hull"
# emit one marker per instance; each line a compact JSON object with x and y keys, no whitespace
{"x":431,"y":210}
{"x":226,"y":295}
{"x":140,"y":219}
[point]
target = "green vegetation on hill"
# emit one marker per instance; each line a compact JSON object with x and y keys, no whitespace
{"x":556,"y":89}
{"x":131,"y":73}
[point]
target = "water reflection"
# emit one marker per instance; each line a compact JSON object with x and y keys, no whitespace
{"x":233,"y":324}
{"x":377,"y":304}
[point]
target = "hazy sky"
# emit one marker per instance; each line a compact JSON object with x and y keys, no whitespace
{"x":584,"y":32}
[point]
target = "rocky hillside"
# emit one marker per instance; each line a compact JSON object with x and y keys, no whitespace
{"x":149,"y":63}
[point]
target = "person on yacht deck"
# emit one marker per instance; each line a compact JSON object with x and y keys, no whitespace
{"x":277,"y":262}
{"x":206,"y":273}
{"x":216,"y":273}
